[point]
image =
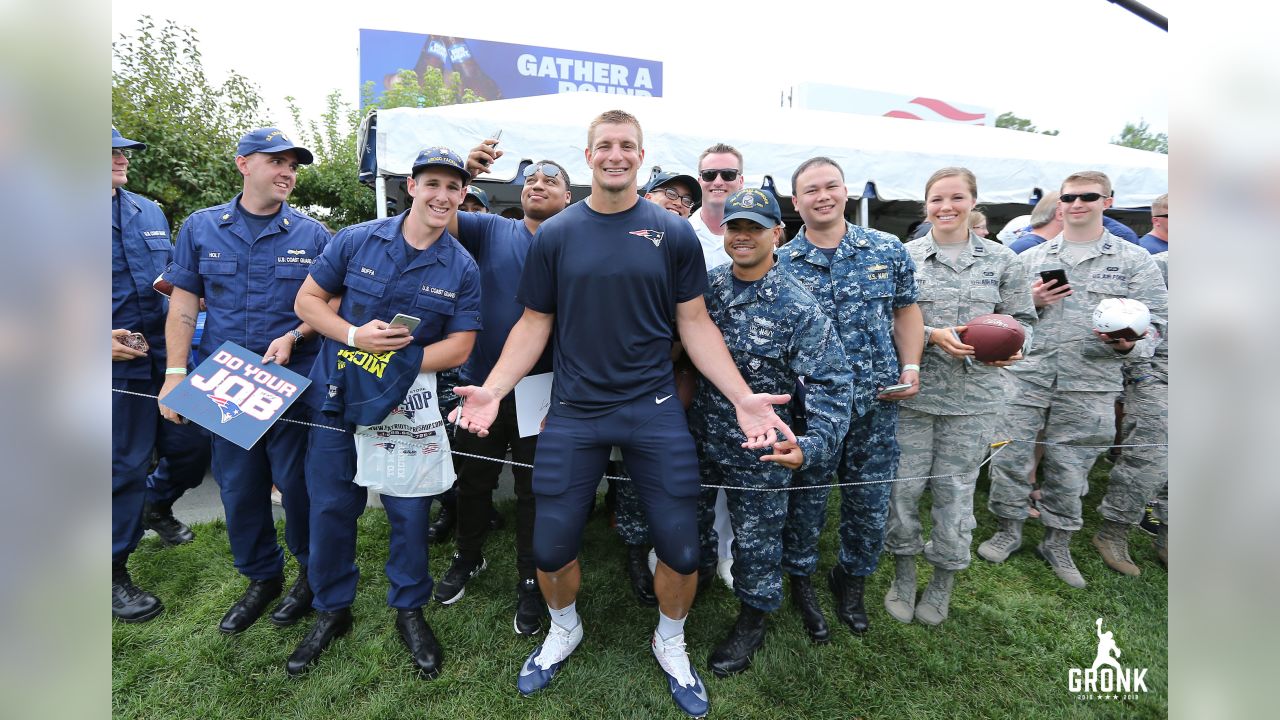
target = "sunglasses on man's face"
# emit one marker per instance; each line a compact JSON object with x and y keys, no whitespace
{"x":117,"y":152}
{"x":547,"y":169}
{"x":1163,"y":216}
{"x":1087,"y":197}
{"x":727,"y":174}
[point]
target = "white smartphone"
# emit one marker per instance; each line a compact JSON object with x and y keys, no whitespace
{"x":408,"y":321}
{"x":895,"y":388}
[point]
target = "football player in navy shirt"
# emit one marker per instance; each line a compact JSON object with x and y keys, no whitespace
{"x":614,"y":279}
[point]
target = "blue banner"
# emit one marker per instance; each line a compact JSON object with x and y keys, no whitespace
{"x":236,"y":396}
{"x":497,"y":70}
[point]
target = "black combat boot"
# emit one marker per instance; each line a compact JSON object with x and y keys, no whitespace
{"x":733,"y":654}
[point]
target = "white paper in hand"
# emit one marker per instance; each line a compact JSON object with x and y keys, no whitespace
{"x":533,"y":400}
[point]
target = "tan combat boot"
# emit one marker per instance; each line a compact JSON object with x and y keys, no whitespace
{"x":936,"y":599}
{"x":1055,"y":549}
{"x":1004,"y":543}
{"x":1112,"y":543}
{"x":901,"y":598}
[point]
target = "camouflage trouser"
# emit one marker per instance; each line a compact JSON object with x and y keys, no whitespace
{"x":757,"y":519}
{"x":1068,"y":419}
{"x":1162,"y":502}
{"x":870,"y":453}
{"x":633,"y":528}
{"x":806,"y":514}
{"x":951,"y":445}
{"x":1138,"y":475}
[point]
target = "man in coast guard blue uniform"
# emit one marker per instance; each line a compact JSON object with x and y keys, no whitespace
{"x":140,"y":249}
{"x":411,"y":265}
{"x":248,"y":259}
{"x":776,"y":333}
{"x":614,"y":277}
{"x":865,"y":281}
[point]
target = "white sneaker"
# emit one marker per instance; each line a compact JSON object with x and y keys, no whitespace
{"x":687,"y":690}
{"x":545,"y":661}
{"x":724,"y":568}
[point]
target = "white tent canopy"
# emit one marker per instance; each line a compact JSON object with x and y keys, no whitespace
{"x":898,"y":156}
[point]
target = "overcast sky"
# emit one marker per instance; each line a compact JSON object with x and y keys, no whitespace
{"x":1084,"y":67}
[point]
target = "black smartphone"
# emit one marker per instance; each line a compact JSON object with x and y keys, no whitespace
{"x":1057,"y":275}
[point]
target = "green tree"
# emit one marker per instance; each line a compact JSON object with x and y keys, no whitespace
{"x":1013,"y":122}
{"x":1140,"y":136}
{"x":161,"y":96}
{"x":330,"y":188}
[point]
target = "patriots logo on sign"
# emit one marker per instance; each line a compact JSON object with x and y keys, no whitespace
{"x":407,"y":413}
{"x":654,"y":235}
{"x":230,"y":410}
{"x":388,"y":446}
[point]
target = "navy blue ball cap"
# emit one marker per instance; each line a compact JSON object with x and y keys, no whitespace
{"x":662,"y":178}
{"x":120,"y":141}
{"x":442,"y":157}
{"x":755,"y":205}
{"x":271,"y":140}
{"x":480,"y":195}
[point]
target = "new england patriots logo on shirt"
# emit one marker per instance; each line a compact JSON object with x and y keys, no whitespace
{"x":388,"y":446}
{"x":654,"y":235}
{"x":229,"y":410}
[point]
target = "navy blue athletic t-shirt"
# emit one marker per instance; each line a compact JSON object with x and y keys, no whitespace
{"x":613,"y":283}
{"x":499,"y":246}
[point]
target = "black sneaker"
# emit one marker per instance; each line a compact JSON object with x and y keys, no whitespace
{"x":1150,"y":524}
{"x":453,"y":585}
{"x":528,"y":607}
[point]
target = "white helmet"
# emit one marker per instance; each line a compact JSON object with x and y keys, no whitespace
{"x":1116,"y":314}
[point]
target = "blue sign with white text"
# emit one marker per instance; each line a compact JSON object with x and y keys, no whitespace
{"x":233,"y":394}
{"x":497,"y":70}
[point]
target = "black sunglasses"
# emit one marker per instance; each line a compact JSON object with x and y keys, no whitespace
{"x":728,"y":175}
{"x":546,"y":169}
{"x":117,"y":152}
{"x":672,"y":193}
{"x":1087,"y":197}
{"x":1163,"y":216}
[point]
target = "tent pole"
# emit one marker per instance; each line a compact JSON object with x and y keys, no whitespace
{"x":380,"y":193}
{"x":864,"y":214}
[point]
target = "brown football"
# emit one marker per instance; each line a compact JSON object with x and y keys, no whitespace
{"x":993,"y":337}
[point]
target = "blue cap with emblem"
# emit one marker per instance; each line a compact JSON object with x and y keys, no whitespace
{"x":271,"y":140}
{"x":755,"y":205}
{"x":661,"y":178}
{"x":441,"y":157}
{"x":120,"y":141}
{"x":480,"y":195}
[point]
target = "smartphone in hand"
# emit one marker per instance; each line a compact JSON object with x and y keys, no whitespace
{"x":1057,"y":275}
{"x":408,"y":321}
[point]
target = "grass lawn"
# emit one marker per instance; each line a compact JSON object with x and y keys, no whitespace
{"x":1013,"y":633}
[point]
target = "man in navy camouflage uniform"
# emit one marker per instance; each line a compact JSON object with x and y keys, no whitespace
{"x":776,"y":332}
{"x":865,"y":281}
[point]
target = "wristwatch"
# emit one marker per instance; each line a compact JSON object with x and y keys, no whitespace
{"x":297,"y":336}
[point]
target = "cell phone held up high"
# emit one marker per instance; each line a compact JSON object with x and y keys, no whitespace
{"x":1057,"y":275}
{"x":408,"y":321}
